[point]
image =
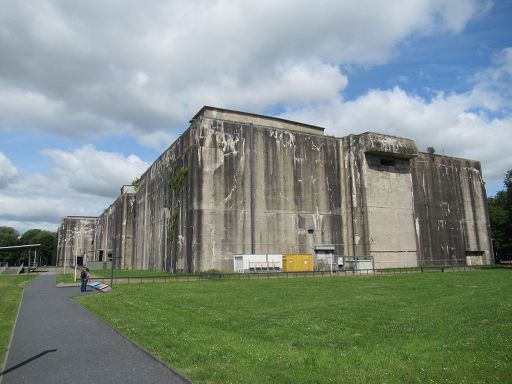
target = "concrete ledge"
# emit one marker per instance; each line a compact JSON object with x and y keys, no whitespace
{"x":390,"y":146}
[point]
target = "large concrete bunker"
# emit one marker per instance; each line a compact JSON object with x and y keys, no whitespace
{"x":236,"y":183}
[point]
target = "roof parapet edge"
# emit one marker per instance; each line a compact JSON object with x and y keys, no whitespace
{"x":266,"y":117}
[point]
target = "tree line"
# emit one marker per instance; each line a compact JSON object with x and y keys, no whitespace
{"x":10,"y":236}
{"x":500,"y":213}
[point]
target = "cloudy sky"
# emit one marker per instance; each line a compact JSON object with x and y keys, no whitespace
{"x":92,"y":92}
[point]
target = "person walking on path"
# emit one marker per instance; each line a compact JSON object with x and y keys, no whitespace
{"x":84,"y":277}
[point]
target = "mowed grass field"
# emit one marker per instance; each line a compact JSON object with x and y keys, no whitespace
{"x":11,"y":290}
{"x":428,"y":327}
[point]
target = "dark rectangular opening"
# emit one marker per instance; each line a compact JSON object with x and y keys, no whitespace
{"x":474,"y":253}
{"x":387,"y":162}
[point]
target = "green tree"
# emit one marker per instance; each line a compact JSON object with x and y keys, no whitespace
{"x":8,"y":237}
{"x":500,"y":213}
{"x":48,"y":241}
{"x":431,"y":150}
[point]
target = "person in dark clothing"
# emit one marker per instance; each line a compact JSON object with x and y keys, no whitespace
{"x":84,"y":278}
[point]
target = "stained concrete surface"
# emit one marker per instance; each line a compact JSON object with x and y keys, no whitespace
{"x":260,"y":185}
{"x":58,"y":341}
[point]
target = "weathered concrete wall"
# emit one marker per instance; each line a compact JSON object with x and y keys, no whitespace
{"x":117,"y":222}
{"x":295,"y":176}
{"x":378,"y":199}
{"x":223,"y":194}
{"x":75,"y":236}
{"x":265,"y":190}
{"x":292,"y":205}
{"x":236,"y":183}
{"x":166,"y":225}
{"x":451,"y":211}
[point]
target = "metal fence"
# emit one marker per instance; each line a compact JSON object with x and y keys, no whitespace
{"x":217,"y":276}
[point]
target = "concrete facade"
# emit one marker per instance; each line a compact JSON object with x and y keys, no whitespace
{"x":238,"y":183}
{"x":117,"y":222}
{"x":75,"y":236}
{"x":451,"y":211}
{"x":378,"y":199}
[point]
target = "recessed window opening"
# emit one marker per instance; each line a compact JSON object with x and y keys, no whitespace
{"x":387,"y":162}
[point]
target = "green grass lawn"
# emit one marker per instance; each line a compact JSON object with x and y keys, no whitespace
{"x":11,"y":289}
{"x":68,"y":277}
{"x":435,"y":327}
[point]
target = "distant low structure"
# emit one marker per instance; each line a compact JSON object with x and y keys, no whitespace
{"x":236,"y":183}
{"x":75,"y":238}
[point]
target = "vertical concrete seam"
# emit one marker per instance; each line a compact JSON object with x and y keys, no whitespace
{"x":251,"y":186}
{"x":352,"y":187}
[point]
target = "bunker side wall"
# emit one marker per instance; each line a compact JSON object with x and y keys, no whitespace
{"x":117,"y":222}
{"x":451,"y":218}
{"x":266,"y":190}
{"x":165,"y":226}
{"x":227,"y":187}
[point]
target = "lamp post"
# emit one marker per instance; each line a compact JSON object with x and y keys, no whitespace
{"x":112,"y":262}
{"x":65,"y":255}
{"x":76,"y":265}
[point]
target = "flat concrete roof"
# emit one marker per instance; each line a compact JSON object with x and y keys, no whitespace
{"x":260,"y":120}
{"x":81,"y":217}
{"x":448,"y":157}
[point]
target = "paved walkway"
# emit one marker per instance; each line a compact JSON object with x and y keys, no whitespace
{"x":57,"y":341}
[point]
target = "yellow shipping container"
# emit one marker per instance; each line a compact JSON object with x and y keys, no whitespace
{"x":297,"y":262}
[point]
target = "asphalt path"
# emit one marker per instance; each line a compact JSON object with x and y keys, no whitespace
{"x":57,"y":341}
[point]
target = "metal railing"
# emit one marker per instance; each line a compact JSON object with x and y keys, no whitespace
{"x":216,"y":276}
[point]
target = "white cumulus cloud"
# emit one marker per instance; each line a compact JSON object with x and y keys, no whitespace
{"x":33,"y":208}
{"x":476,"y":124}
{"x":87,"y":170}
{"x":8,"y":171}
{"x":81,"y":182}
{"x":78,"y":68}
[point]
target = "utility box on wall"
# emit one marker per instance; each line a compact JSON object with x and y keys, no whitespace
{"x":358,"y":263}
{"x":297,"y":262}
{"x":325,"y":260}
{"x":257,"y":263}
